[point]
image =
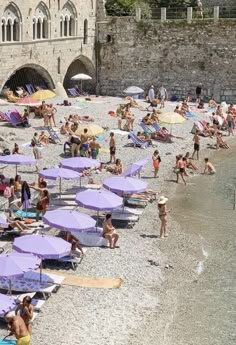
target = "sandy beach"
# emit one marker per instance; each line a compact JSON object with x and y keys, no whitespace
{"x":139,"y":311}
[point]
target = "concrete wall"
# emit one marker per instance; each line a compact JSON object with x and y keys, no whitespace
{"x":177,"y":54}
{"x":44,"y":53}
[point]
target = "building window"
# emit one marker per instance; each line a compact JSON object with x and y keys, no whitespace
{"x":41,"y":22}
{"x":11,"y":24}
{"x":59,"y":65}
{"x":68,"y":20}
{"x":58,"y":5}
{"x":85,"y":31}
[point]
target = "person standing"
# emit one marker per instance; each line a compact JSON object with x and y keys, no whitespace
{"x":162,"y":208}
{"x":200,"y":9}
{"x":109,"y":232}
{"x":163,"y":95}
{"x":196,"y":144}
{"x":17,"y":327}
{"x":26,"y":311}
{"x":151,"y":94}
{"x":112,"y":145}
{"x":156,"y":160}
{"x":198,"y":93}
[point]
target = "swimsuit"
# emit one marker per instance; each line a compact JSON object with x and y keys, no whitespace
{"x":155,"y":163}
{"x":112,"y":150}
{"x":196,"y":147}
{"x":85,"y":147}
{"x":23,"y":340}
{"x":94,"y":153}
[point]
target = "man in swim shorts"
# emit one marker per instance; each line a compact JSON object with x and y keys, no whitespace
{"x":84,"y":142}
{"x":196,"y":145}
{"x":18,"y":328}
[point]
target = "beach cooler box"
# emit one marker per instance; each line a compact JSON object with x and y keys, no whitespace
{"x":92,"y":238}
{"x":7,"y":342}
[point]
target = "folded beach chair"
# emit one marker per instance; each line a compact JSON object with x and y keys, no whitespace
{"x":4,"y":117}
{"x":29,"y":88}
{"x":156,"y":126}
{"x":137,"y":142}
{"x":197,"y":126}
{"x":72,"y":92}
{"x":53,"y":134}
{"x":14,"y":117}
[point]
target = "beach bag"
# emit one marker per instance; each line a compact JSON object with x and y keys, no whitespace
{"x":7,"y":193}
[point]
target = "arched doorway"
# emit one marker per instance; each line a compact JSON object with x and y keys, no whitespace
{"x":29,"y":76}
{"x":81,"y":65}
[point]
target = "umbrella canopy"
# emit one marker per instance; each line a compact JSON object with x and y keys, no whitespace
{"x":67,"y":220}
{"x":46,"y":247}
{"x":125,"y":185}
{"x":99,"y":200}
{"x":93,"y":130}
{"x":6,"y":304}
{"x":133,"y":90}
{"x":17,"y":160}
{"x":16,"y":264}
{"x":135,"y":168}
{"x":28,"y":101}
{"x":80,"y":163}
{"x":43,"y":94}
{"x":61,"y":173}
{"x":171,"y":118}
{"x":3,"y":221}
{"x":81,"y":76}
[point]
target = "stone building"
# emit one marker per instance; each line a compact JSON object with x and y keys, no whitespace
{"x":43,"y":42}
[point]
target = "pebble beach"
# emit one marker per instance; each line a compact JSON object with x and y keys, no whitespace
{"x":142,"y":309}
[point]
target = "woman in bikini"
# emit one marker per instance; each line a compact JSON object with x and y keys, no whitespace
{"x":156,"y":162}
{"x":26,"y":311}
{"x":181,"y":166}
{"x":163,"y":215}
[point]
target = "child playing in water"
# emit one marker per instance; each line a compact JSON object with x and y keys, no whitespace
{"x":209,"y":167}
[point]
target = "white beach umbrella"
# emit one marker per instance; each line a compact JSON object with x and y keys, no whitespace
{"x":81,"y":77}
{"x":133,"y":90}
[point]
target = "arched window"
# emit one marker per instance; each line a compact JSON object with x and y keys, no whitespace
{"x":41,"y":22}
{"x":68,"y":20}
{"x":85,"y":31}
{"x":11,"y":23}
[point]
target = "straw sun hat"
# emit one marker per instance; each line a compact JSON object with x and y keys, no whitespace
{"x":162,"y":200}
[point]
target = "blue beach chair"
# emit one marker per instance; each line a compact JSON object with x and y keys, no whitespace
{"x":156,"y":126}
{"x":146,"y":128}
{"x":137,"y":142}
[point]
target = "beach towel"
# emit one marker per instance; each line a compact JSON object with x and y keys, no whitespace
{"x":119,"y":132}
{"x":189,"y":114}
{"x":24,"y":214}
{"x":93,"y":282}
{"x":7,"y":342}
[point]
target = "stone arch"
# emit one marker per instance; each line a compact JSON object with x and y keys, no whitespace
{"x":11,"y":23}
{"x":41,"y":21}
{"x":81,"y":64}
{"x":33,"y":74}
{"x":68,"y":20}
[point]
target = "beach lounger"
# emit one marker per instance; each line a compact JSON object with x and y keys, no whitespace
{"x":74,"y":261}
{"x":137,"y":142}
{"x":29,"y":88}
{"x":14,"y":117}
{"x":146,"y":129}
{"x":156,"y":126}
{"x":91,"y":238}
{"x":45,"y":277}
{"x":128,"y":210}
{"x":125,"y":217}
{"x":53,"y":135}
{"x":136,"y":201}
{"x":72,"y":92}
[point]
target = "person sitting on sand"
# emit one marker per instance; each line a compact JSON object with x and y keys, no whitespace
{"x":17,"y":327}
{"x":220,"y":143}
{"x":208,"y":130}
{"x":43,"y":138}
{"x":118,"y":169}
{"x":75,"y":243}
{"x":178,"y":111}
{"x":133,"y":103}
{"x":94,"y":148}
{"x":154,"y":116}
{"x":26,"y":310}
{"x":77,"y":118}
{"x":64,"y":130}
{"x":16,"y":150}
{"x":109,"y":232}
{"x":147,"y":120}
{"x":209,"y":167}
{"x":162,"y":208}
{"x":189,"y":162}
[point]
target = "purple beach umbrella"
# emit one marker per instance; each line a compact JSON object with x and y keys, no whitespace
{"x":17,"y":160}
{"x":7,"y":304}
{"x":60,"y":173}
{"x":44,"y":246}
{"x":67,"y":220}
{"x":125,"y":185}
{"x":136,"y":167}
{"x":98,"y":200}
{"x":14,"y":265}
{"x":80,"y":163}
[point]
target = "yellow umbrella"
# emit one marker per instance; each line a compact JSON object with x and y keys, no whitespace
{"x":171,"y":118}
{"x":43,"y":94}
{"x":93,"y":130}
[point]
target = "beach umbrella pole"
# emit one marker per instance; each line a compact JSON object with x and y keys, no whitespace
{"x":60,"y":187}
{"x":41,"y":269}
{"x":10,"y":287}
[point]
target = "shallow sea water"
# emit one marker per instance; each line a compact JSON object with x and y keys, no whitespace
{"x":206,"y":312}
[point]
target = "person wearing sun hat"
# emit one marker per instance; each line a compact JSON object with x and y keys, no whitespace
{"x":163,"y":215}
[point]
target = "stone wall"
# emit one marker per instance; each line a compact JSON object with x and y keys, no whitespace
{"x":43,"y":54}
{"x":219,"y":2}
{"x":177,"y":54}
